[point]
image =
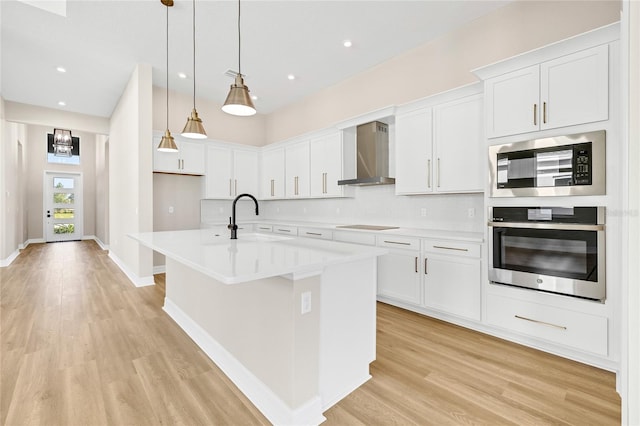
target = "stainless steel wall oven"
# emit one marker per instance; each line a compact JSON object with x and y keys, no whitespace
{"x":553,"y":249}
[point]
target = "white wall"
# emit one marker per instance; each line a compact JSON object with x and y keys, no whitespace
{"x":444,"y":63}
{"x":131,"y":176}
{"x":102,"y":190}
{"x":49,"y":117}
{"x":37,"y":164}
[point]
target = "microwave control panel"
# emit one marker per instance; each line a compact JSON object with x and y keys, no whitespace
{"x":582,"y":165}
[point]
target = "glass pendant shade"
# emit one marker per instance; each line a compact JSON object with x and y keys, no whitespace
{"x":62,"y":143}
{"x":238,"y":100}
{"x":194,"y":128}
{"x":167,"y":144}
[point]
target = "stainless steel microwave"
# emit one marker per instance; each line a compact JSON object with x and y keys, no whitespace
{"x":556,"y":166}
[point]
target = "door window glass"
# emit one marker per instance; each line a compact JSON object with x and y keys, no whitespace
{"x":63,"y":228}
{"x":63,"y":183}
{"x":63,"y":197}
{"x":63,"y":213}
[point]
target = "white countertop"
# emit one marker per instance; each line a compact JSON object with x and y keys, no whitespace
{"x":474,"y":237}
{"x":252,"y":256}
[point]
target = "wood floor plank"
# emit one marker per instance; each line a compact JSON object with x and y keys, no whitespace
{"x":80,"y":345}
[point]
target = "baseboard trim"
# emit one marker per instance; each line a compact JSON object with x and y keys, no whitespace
{"x":253,"y":388}
{"x":160,"y":269}
{"x":6,"y":262}
{"x":102,"y":245}
{"x":135,"y":279}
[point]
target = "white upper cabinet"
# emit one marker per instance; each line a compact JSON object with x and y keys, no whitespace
{"x":272,"y":174}
{"x":326,"y":165}
{"x":218,"y":183}
{"x":414,"y":140}
{"x":439,"y":149}
{"x":231,"y":172}
{"x":245,"y":172}
{"x":569,"y":90}
{"x":189,"y":160}
{"x":297,"y":170}
{"x":458,"y":145}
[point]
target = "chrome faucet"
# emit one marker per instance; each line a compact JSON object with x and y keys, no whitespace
{"x":232,"y":220}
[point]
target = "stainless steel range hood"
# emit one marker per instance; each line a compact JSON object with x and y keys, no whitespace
{"x":372,"y":156}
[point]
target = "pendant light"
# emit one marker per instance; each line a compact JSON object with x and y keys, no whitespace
{"x":238,"y":100}
{"x":167,"y":144}
{"x":194,"y":128}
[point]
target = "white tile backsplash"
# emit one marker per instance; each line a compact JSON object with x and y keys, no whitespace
{"x":371,"y":205}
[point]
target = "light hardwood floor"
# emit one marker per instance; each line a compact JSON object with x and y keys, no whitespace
{"x":81,"y":346}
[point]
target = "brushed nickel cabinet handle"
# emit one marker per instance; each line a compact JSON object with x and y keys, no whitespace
{"x":284,"y":230}
{"x":272,"y":187}
{"x":541,"y":322}
{"x":178,"y":164}
{"x":397,"y":242}
{"x":451,"y":248}
{"x":535,"y":114}
{"x":544,"y":112}
{"x":416,"y":264}
{"x":429,"y":173}
{"x":438,"y":172}
{"x":313,"y":233}
{"x":426,"y":271}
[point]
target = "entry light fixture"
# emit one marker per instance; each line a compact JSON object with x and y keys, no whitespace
{"x":194,"y":128}
{"x":167,"y":144}
{"x":238,"y":100}
{"x":62,"y":143}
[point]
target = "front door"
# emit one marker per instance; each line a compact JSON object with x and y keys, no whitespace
{"x":62,"y":206}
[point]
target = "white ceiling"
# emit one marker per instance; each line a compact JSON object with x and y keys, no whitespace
{"x":99,"y":43}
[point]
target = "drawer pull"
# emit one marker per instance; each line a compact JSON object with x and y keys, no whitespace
{"x":265,"y":229}
{"x":541,"y":322}
{"x":313,"y":233}
{"x":284,"y":230}
{"x":397,"y":242}
{"x":451,"y":248}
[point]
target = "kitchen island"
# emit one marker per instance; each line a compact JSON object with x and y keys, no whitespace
{"x":291,"y":321}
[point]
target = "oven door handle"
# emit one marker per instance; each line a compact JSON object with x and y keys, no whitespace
{"x":537,"y":225}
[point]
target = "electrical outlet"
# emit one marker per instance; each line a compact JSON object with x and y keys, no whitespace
{"x":423,"y":212}
{"x":471,"y":213}
{"x":305,"y":302}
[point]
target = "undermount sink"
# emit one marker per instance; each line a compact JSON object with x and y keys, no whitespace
{"x":368,"y":227}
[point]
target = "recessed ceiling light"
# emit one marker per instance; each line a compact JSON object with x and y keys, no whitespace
{"x":62,"y":103}
{"x":182,"y":75}
{"x":291,"y":77}
{"x":61,"y":69}
{"x":347,"y":43}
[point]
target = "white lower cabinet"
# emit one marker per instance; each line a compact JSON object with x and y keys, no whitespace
{"x":442,"y":275}
{"x":578,"y":330}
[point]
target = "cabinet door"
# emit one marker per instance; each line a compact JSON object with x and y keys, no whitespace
{"x":574,"y":88}
{"x":192,"y":155}
{"x":414,"y":165}
{"x":512,"y":102}
{"x":297,"y":170}
{"x":326,"y":165}
{"x":452,"y":285}
{"x":399,"y":276}
{"x":165,"y":161}
{"x":459,"y":156}
{"x":245,"y":172}
{"x":272,"y":174}
{"x":218,"y":180}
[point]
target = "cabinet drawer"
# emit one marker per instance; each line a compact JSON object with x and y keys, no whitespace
{"x":323,"y":234}
{"x":263,"y":228}
{"x":453,"y":248}
{"x":405,"y":243}
{"x":578,"y":330}
{"x":284,"y":229}
{"x":355,"y":237}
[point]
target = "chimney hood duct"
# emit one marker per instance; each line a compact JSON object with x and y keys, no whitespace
{"x":372,"y":156}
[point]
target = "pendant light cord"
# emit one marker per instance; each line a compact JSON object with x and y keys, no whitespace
{"x":167,"y":67}
{"x":194,"y":54}
{"x":239,"y":44}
